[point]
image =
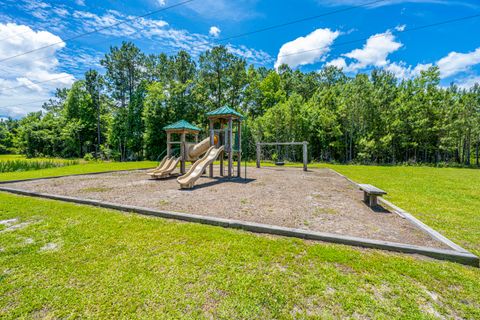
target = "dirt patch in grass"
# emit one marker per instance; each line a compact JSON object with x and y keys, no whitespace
{"x":318,"y":200}
{"x":16,"y":226}
{"x":51,"y":246}
{"x":8,"y":222}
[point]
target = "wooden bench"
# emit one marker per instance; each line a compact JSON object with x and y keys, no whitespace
{"x":370,"y":194}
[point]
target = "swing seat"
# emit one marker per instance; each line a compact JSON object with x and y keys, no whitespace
{"x":279,"y":163}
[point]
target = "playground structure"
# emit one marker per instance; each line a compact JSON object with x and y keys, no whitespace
{"x":225,"y":141}
{"x":165,"y":169}
{"x":304,"y":145}
{"x":189,"y":151}
{"x":188,"y":180}
{"x":320,"y":205}
{"x":229,"y":130}
{"x":184,"y":130}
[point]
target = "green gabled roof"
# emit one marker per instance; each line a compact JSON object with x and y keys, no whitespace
{"x":182,"y":125}
{"x":224,"y":111}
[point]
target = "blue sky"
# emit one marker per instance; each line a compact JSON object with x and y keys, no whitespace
{"x":373,"y":36}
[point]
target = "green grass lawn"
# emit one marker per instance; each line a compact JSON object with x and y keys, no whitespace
{"x":7,"y":157}
{"x":11,"y":157}
{"x":64,"y":260}
{"x":87,"y":167}
{"x":68,"y":260}
{"x":447,"y":199}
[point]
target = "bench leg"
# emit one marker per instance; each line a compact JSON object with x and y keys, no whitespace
{"x":366,"y":197}
{"x":373,"y":201}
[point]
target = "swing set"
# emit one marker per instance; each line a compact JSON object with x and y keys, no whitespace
{"x":280,"y":157}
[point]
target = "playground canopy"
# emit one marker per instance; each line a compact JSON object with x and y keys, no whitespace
{"x":225,"y":111}
{"x":226,"y":120}
{"x":182,"y":125}
{"x":182,"y":128}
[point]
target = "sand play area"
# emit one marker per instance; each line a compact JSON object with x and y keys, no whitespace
{"x":317,"y":200}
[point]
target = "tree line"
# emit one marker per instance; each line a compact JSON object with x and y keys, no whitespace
{"x":373,"y":118}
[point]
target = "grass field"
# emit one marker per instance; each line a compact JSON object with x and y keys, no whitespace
{"x":65,"y":260}
{"x":11,"y":157}
{"x":87,"y":167}
{"x":447,"y":199}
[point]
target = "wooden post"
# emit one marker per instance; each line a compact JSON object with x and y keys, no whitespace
{"x":230,"y":147}
{"x":196,"y":137}
{"x":221,"y":163}
{"x":222,"y":154}
{"x":305,"y":156}
{"x":169,"y":146}
{"x":212,"y":142}
{"x":239,"y":156}
{"x":182,"y":153}
{"x":224,"y":129}
{"x":258,"y":155}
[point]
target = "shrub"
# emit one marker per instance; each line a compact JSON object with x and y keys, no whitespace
{"x":88,"y":157}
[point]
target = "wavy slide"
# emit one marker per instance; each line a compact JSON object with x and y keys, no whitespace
{"x":160,"y":166}
{"x":188,"y":180}
{"x":167,"y":170}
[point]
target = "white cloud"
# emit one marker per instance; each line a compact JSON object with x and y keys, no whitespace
{"x":374,"y":53}
{"x":338,"y":62}
{"x":307,"y":50}
{"x":80,"y":2}
{"x":258,"y":57}
{"x":402,"y":71}
{"x":468,"y":82}
{"x":149,"y":33}
{"x":161,"y":3}
{"x":48,"y":16}
{"x":214,"y":31}
{"x":162,"y":37}
{"x":41,"y":70}
{"x":38,"y":9}
{"x":27,"y":77}
{"x":378,"y":47}
{"x":455,"y":62}
{"x":92,"y":22}
{"x":61,"y":12}
{"x":401,"y":27}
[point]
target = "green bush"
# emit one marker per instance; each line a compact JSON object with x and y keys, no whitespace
{"x":274,"y":157}
{"x":88,"y":157}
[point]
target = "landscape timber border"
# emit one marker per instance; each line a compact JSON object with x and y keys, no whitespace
{"x":419,"y":224}
{"x":456,"y":254}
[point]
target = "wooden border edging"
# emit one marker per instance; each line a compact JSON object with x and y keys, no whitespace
{"x":419,"y":224}
{"x":432,"y":232}
{"x":441,"y":254}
